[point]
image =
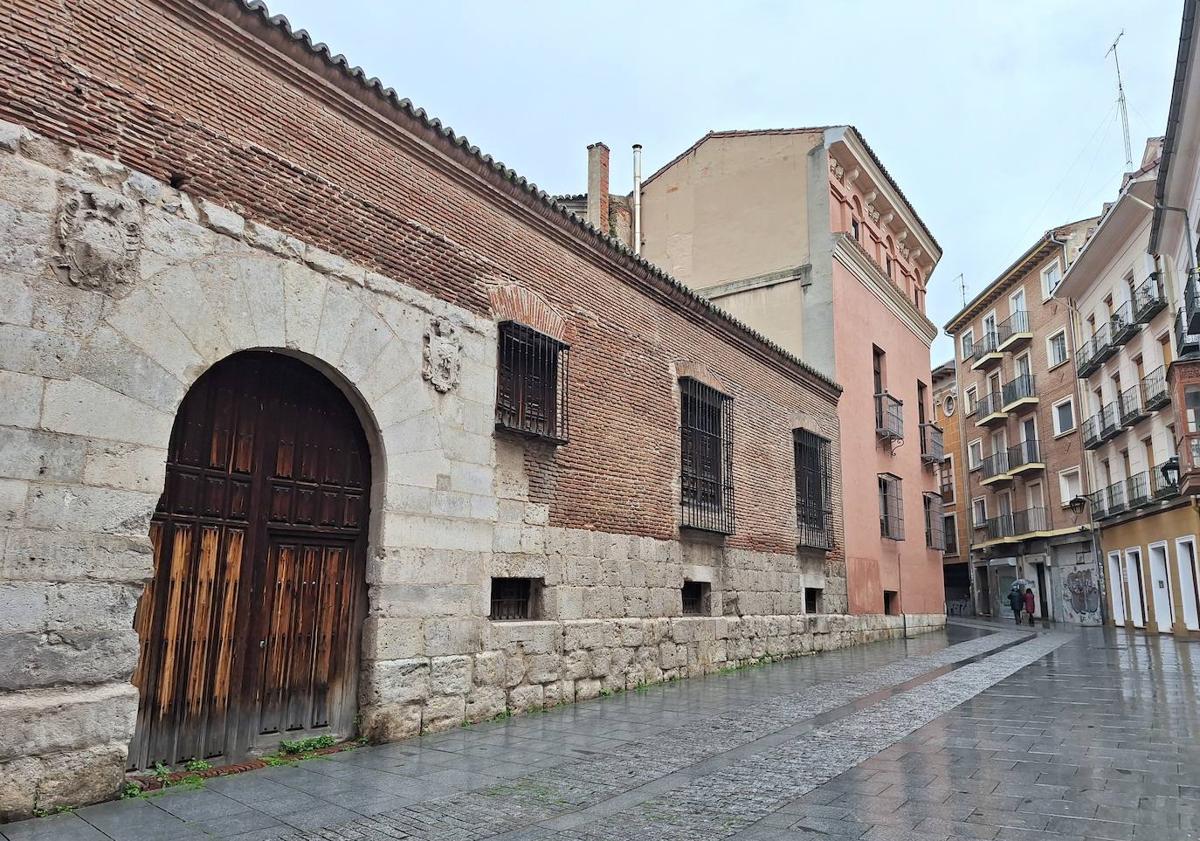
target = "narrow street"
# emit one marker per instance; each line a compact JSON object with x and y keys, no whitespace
{"x":979,"y":732}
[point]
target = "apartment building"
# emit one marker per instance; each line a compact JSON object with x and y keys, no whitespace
{"x":1025,"y":472}
{"x":1123,"y":332}
{"x":948,"y":416}
{"x":803,"y":235}
{"x":1174,"y":233}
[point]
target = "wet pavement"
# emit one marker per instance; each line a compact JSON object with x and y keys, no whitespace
{"x":981,"y":732}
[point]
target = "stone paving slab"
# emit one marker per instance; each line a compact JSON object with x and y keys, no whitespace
{"x":1062,"y":736}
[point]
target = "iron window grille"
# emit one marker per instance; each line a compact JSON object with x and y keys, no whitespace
{"x":514,"y":598}
{"x":812,"y":599}
{"x":891,"y":507}
{"x":935,"y":524}
{"x":706,"y":458}
{"x":814,"y":489}
{"x":695,"y":597}
{"x":532,"y":384}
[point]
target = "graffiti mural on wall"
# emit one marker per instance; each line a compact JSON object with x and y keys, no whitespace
{"x":1081,"y":597}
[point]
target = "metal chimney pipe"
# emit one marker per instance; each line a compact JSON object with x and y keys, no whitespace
{"x":637,"y":198}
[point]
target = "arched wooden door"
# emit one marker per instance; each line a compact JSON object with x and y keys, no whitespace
{"x":249,"y":629}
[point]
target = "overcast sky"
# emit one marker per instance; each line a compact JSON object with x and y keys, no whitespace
{"x":998,"y":119}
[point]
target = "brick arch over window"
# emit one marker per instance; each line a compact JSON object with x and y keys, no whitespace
{"x":700,"y":372}
{"x":516,"y":303}
{"x":810,"y":423}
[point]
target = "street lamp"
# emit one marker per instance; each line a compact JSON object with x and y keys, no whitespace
{"x":1170,"y":472}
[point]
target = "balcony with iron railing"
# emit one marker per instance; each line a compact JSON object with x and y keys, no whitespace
{"x":889,"y":417}
{"x":1148,"y":300}
{"x":1114,"y":499}
{"x":1101,"y":427}
{"x":994,"y":469}
{"x":1018,"y":525}
{"x":986,"y":351}
{"x":1122,"y":326}
{"x":932,"y":444}
{"x":1014,"y":332}
{"x":1019,"y":392}
{"x":1025,"y":457}
{"x":1187,"y":340}
{"x":1191,"y":302}
{"x":935,"y":527}
{"x":1133,"y":411}
{"x":990,"y":409}
{"x":1096,"y":504}
{"x":1155,"y":394}
{"x":1137,"y":490}
{"x":1093,"y":352}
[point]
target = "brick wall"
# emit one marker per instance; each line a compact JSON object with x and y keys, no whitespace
{"x":173,"y":89}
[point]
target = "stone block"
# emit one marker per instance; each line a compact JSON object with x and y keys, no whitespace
{"x":44,"y":456}
{"x":542,"y":668}
{"x":13,"y":494}
{"x":529,"y":637}
{"x":443,"y":713}
{"x":24,"y":607}
{"x":37,"y":659}
{"x":332,"y":264}
{"x":485,"y":702}
{"x":81,"y":407}
{"x":391,"y":723}
{"x":26,"y":248}
{"x":489,"y":668}
{"x":37,"y":555}
{"x":67,"y":778}
{"x":88,"y":607}
{"x":127,"y":466}
{"x":304,"y":301}
{"x":12,"y":136}
{"x":47,"y":721}
{"x":269,"y":239}
{"x":445,"y":635}
{"x":27,"y":185}
{"x":587,"y":688}
{"x":391,"y":638}
{"x":525,"y":698}
{"x":220,"y":219}
{"x":88,"y":509}
{"x":388,"y":683}
{"x":450,"y":675}
{"x":514,"y":670}
{"x":28,"y":350}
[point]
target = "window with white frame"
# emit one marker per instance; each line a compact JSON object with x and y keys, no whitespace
{"x":975,"y":454}
{"x":967,"y":343}
{"x":1069,"y":486}
{"x":1064,"y":416}
{"x":979,"y":511}
{"x":972,"y":396}
{"x":1056,"y":349}
{"x":1051,"y":277}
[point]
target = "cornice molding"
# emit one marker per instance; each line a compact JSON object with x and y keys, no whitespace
{"x":859,"y":263}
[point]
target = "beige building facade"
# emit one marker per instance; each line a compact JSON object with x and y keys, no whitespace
{"x":1123,"y":331}
{"x":802,"y":234}
{"x":947,"y":414}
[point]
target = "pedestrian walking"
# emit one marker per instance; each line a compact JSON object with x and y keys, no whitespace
{"x":1016,"y":601}
{"x":1029,"y":604}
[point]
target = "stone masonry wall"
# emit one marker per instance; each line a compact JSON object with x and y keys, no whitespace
{"x":117,"y":291}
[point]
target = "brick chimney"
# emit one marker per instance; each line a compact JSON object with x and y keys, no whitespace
{"x":597,"y":186}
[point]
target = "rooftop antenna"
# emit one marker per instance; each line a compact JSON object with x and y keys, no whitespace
{"x":1121,"y":108}
{"x":962,"y":287}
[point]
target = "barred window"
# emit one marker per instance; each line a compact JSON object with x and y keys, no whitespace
{"x":935,"y":523}
{"x":891,"y":507}
{"x":531,"y":385}
{"x":814,"y":496}
{"x":515,"y":598}
{"x":706,"y":457}
{"x":695,"y":597}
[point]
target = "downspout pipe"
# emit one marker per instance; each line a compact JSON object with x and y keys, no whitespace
{"x":637,"y":198}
